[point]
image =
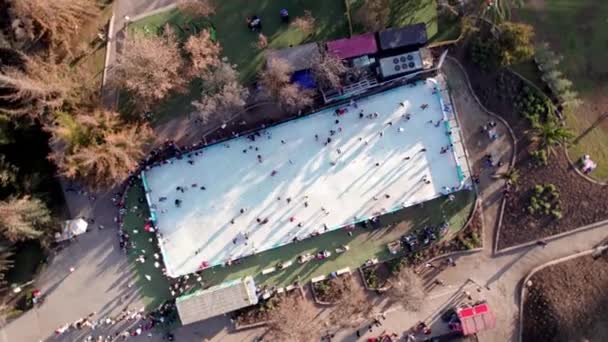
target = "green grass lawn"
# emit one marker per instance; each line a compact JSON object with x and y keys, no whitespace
{"x":577,"y":30}
{"x":156,"y":291}
{"x":364,"y":244}
{"x":404,"y":12}
{"x":237,"y":40}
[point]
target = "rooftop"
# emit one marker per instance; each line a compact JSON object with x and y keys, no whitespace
{"x":403,"y":37}
{"x":355,"y":46}
{"x":216,"y":300}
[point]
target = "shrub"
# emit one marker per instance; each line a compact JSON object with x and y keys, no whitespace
{"x":548,"y":62}
{"x":539,"y":157}
{"x":545,"y":201}
{"x":557,"y":214}
{"x":371,"y":278}
{"x":533,"y":106}
{"x":484,"y":53}
{"x":515,"y":43}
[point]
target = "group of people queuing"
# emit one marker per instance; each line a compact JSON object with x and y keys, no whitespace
{"x":128,"y":323}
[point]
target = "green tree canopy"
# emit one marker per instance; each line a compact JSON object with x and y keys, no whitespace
{"x":515,"y":43}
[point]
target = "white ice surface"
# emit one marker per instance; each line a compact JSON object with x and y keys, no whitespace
{"x":235,"y":180}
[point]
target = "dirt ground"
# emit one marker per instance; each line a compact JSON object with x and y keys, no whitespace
{"x":582,"y":202}
{"x":568,"y":302}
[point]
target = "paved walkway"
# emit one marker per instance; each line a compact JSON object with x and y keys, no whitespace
{"x":99,"y":283}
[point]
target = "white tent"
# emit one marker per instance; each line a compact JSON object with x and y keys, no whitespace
{"x":71,"y":228}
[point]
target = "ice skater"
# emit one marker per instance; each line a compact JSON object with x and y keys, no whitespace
{"x":424,"y":106}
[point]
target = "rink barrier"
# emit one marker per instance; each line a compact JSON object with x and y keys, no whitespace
{"x":445,"y":115}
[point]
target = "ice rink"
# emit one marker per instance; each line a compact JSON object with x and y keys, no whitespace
{"x":302,"y":184}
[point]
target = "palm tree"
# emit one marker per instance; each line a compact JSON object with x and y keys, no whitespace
{"x":23,"y":218}
{"x":97,"y":148}
{"x":549,"y":134}
{"x":511,"y":176}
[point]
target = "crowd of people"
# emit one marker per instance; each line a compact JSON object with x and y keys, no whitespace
{"x":169,"y":153}
{"x":126,"y":324}
{"x":172,"y":153}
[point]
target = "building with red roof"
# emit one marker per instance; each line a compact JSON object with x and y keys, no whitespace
{"x":355,"y":46}
{"x":475,"y":319}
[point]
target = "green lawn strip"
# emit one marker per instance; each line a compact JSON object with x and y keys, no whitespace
{"x":364,"y":244}
{"x":582,"y":44}
{"x":576,"y":30}
{"x":593,"y":143}
{"x":404,"y":12}
{"x":155,"y":291}
{"x":448,"y":28}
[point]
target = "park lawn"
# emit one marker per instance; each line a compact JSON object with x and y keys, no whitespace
{"x":364,"y":244}
{"x":576,"y":29}
{"x":405,"y":12}
{"x":237,"y":40}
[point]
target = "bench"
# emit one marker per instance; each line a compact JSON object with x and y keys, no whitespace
{"x":268,"y":270}
{"x":343,"y":271}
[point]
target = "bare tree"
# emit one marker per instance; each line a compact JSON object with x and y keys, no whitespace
{"x":374,"y":14}
{"x":276,"y":83}
{"x":329,"y":71}
{"x":23,"y":218}
{"x":305,"y":23}
{"x":36,"y":86}
{"x":294,"y":319}
{"x":351,"y":310}
{"x":293,"y":98}
{"x":407,"y":289}
{"x":150,"y":67}
{"x":97,"y":147}
{"x":203,"y":52}
{"x":196,"y":8}
{"x":222,"y":94}
{"x":276,"y":75}
{"x":59,"y":21}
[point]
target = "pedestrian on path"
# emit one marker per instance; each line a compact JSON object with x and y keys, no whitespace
{"x":541,"y":243}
